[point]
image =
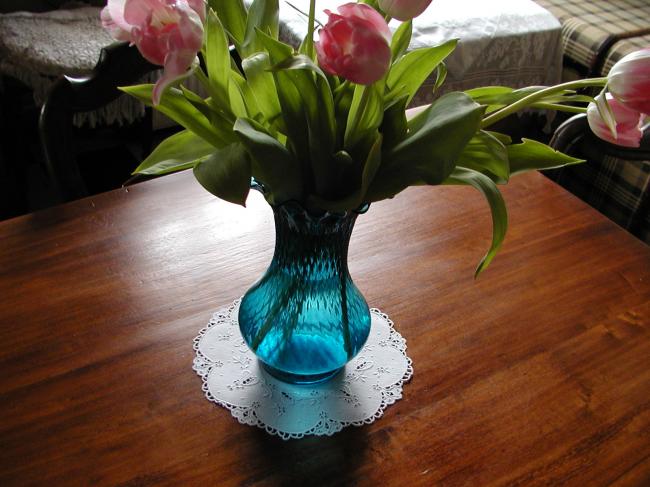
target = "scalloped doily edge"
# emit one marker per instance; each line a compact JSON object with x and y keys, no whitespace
{"x":390,"y":395}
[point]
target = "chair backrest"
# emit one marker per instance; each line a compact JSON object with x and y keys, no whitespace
{"x":576,"y":130}
{"x":615,"y":180}
{"x":118,"y":65}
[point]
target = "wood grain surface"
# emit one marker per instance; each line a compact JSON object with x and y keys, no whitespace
{"x":537,"y":373}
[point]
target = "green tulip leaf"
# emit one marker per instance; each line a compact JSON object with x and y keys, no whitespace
{"x":318,"y":104}
{"x":240,"y":96}
{"x":441,"y":76}
{"x":217,"y":60}
{"x":176,"y":153}
{"x":199,"y":103}
{"x":531,"y":155}
{"x":365,"y":115}
{"x":248,"y":97}
{"x":292,"y":109}
{"x":497,"y":97}
{"x":394,"y":125}
{"x":262,"y":17}
{"x":272,"y":164}
{"x":437,"y":137}
{"x":226,"y":173}
{"x":355,"y":199}
{"x":463,"y":176}
{"x":232,"y":14}
{"x":262,"y":84}
{"x":487,"y":155}
{"x":174,"y":104}
{"x":409,"y":72}
{"x":401,"y":39}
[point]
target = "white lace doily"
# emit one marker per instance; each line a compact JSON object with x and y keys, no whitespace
{"x":233,"y":378}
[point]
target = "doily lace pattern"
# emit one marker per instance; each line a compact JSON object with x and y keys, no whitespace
{"x":233,"y":378}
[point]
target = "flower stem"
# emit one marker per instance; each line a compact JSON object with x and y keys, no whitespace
{"x":279,"y":305}
{"x":347,"y":342}
{"x":538,"y":96}
{"x":310,"y":29}
{"x":351,"y":129}
{"x":340,"y":90}
{"x":560,"y":108}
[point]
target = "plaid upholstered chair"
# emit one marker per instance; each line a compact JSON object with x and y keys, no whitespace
{"x":614,"y":180}
{"x":596,"y":34}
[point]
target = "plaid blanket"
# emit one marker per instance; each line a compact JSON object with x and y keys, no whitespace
{"x":596,"y":33}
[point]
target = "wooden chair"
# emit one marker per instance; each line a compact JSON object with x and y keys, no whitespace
{"x":64,"y":37}
{"x":119,"y":65}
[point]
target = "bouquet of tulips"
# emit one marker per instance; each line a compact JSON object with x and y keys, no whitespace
{"x":327,"y":124}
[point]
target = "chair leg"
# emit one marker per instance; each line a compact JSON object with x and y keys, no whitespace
{"x":55,"y":126}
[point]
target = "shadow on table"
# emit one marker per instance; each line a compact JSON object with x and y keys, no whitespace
{"x":313,"y":460}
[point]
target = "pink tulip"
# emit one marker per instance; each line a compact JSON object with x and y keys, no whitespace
{"x":166,"y":32}
{"x":404,"y":9}
{"x":355,"y":44}
{"x":627,"y":123}
{"x":629,"y":80}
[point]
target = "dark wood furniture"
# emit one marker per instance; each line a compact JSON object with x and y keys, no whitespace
{"x":20,"y":105}
{"x":537,"y":373}
{"x":119,"y":65}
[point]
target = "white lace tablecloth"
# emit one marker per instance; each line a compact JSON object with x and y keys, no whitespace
{"x":502,"y":42}
{"x":37,"y":48}
{"x":359,"y":394}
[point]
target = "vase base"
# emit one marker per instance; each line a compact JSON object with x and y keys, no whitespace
{"x":300,"y":379}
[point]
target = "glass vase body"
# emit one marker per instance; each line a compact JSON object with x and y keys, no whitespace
{"x":305,"y":318}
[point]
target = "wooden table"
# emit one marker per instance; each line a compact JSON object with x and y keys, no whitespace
{"x":538,"y":373}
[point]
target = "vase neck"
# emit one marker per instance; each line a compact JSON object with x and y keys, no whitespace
{"x":313,"y":245}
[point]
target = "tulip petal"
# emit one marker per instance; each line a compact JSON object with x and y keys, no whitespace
{"x":190,"y":28}
{"x":113,"y":21}
{"x":606,"y":113}
{"x":355,"y":44}
{"x":177,"y":64}
{"x":199,"y":7}
{"x":365,"y":12}
{"x":629,"y":80}
{"x":628,"y":123}
{"x":138,"y":12}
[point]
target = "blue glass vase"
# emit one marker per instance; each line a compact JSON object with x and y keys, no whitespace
{"x":305,"y":318}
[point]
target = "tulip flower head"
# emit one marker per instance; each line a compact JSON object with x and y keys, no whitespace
{"x":629,"y":81}
{"x":355,"y":44}
{"x":166,"y":32}
{"x":627,"y":123}
{"x":404,"y":9}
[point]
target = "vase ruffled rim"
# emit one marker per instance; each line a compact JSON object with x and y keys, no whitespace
{"x":316,"y":214}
